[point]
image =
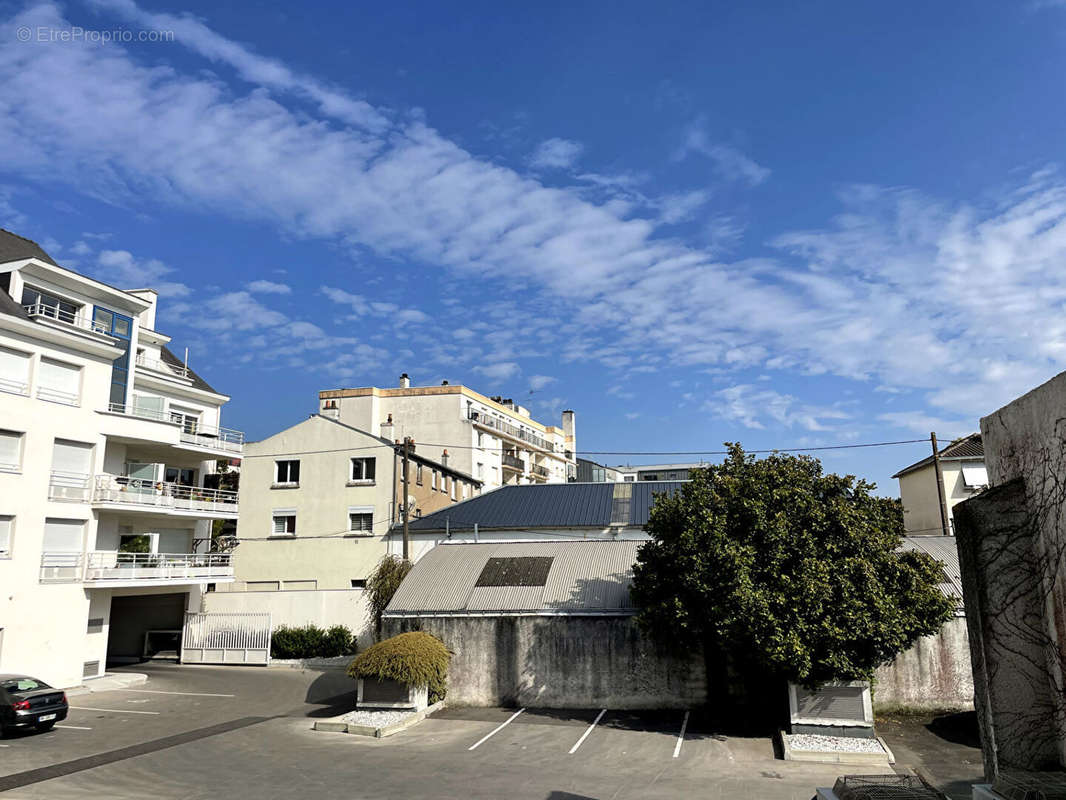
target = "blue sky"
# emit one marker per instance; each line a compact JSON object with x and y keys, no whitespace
{"x":694,"y":223}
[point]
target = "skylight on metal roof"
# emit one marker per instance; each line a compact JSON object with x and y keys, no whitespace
{"x":516,"y":571}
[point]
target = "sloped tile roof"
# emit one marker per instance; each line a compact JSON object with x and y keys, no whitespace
{"x":965,"y":448}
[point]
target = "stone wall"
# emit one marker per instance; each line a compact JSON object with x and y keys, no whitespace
{"x":935,"y":673}
{"x":559,"y":662}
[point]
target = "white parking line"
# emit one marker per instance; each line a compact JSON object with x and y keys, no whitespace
{"x":74,"y":727}
{"x":681,"y":737}
{"x":5,"y":745}
{"x":496,"y":730}
{"x":114,"y":710}
{"x":585,"y":735}
{"x":184,"y":694}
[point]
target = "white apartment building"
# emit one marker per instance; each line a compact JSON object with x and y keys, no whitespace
{"x":656,"y":472}
{"x":107,"y":447}
{"x":492,"y":439}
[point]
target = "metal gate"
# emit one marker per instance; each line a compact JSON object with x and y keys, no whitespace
{"x":226,"y":639}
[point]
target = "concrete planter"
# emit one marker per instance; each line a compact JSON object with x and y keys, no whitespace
{"x":884,"y":759}
{"x":338,"y":726}
{"x":336,"y":662}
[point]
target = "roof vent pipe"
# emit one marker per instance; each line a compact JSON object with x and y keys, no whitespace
{"x":405,"y":382}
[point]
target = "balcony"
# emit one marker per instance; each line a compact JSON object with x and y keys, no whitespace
{"x":56,"y":314}
{"x":162,"y":366}
{"x":540,"y":472}
{"x":109,"y":567}
{"x":136,"y":494}
{"x":192,"y":433}
{"x":513,"y":431}
{"x":513,"y":462}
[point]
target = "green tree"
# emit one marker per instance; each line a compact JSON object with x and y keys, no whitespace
{"x":784,"y":571}
{"x":383,"y":583}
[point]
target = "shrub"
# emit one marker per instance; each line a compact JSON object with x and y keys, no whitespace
{"x":413,"y":659}
{"x":311,"y":641}
{"x":383,"y":583}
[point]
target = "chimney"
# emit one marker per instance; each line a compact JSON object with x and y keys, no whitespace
{"x":444,"y":383}
{"x":405,"y":382}
{"x":386,"y":429}
{"x":570,"y":430}
{"x":444,"y":458}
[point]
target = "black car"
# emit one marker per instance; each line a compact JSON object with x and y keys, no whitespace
{"x":26,"y":702}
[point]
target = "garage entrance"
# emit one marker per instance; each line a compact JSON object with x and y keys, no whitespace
{"x":145,"y":626}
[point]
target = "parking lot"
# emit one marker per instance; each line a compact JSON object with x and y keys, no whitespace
{"x":246,"y":732}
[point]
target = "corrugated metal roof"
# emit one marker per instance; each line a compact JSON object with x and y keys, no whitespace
{"x":942,"y":548}
{"x":971,"y":446}
{"x":584,"y":577}
{"x":549,"y":505}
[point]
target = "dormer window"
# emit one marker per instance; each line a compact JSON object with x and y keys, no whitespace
{"x":48,"y":305}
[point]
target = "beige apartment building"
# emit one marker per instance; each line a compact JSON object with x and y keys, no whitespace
{"x":319,"y":501}
{"x":962,"y":466}
{"x":493,"y":439}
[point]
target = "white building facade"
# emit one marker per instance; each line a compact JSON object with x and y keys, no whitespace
{"x":108,"y":445}
{"x":492,"y":439}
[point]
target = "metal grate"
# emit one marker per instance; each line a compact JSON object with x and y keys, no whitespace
{"x":884,"y":787}
{"x":1031,"y":785}
{"x":96,"y":625}
{"x":90,"y":669}
{"x":516,"y":571}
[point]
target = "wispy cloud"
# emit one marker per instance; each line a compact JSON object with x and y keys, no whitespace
{"x":120,"y":268}
{"x":268,"y":287}
{"x":500,"y":371}
{"x":757,"y":407}
{"x":731,"y":163}
{"x":556,"y":153}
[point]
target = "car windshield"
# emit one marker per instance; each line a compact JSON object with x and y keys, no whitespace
{"x":20,"y":685}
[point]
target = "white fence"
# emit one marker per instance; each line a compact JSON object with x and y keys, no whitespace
{"x":226,"y":639}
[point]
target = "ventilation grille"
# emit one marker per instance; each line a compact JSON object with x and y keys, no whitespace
{"x":90,"y":669}
{"x":831,"y":703}
{"x":884,"y":787}
{"x":96,"y":625}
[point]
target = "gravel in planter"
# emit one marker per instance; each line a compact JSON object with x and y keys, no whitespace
{"x":377,"y":719}
{"x":833,"y":744}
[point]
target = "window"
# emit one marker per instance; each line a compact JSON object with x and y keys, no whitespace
{"x":480,"y":470}
{"x":418,"y":474}
{"x":7,"y":524}
{"x":284,"y":522}
{"x":480,"y":439}
{"x":182,"y":477}
{"x":14,"y":371}
{"x":361,"y":519}
{"x":434,"y":480}
{"x":453,"y":488}
{"x":118,"y":327}
{"x":287,"y":473}
{"x":59,"y":382}
{"x":188,"y":420}
{"x":443,"y":483}
{"x":49,"y":305}
{"x":71,"y":465}
{"x":363,"y":469}
{"x":358,"y":583}
{"x":10,"y":451}
{"x":63,"y":535}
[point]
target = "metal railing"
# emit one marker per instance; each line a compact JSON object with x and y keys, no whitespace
{"x":162,"y":366}
{"x":67,"y":317}
{"x":514,"y":462}
{"x":123,"y":490}
{"x":111,"y":565}
{"x":192,"y":432}
{"x":539,"y":471}
{"x":69,"y":487}
{"x":515,"y":432}
{"x":57,"y":396}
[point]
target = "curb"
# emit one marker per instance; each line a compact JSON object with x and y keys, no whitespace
{"x":108,"y":682}
{"x":332,"y":726}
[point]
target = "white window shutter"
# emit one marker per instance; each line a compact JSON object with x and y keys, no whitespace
{"x":14,"y":371}
{"x":59,"y":381}
{"x":10,"y":447}
{"x":63,"y":535}
{"x":71,"y":461}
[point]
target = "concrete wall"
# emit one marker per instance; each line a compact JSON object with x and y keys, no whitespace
{"x":296,"y":608}
{"x":559,"y":662}
{"x":934,"y":673}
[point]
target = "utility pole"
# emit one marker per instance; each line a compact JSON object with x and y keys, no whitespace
{"x":940,"y":486}
{"x":407,"y":442}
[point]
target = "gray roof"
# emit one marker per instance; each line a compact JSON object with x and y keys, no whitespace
{"x":168,"y":357}
{"x":16,"y":248}
{"x":547,"y":505}
{"x":968,"y":447}
{"x":942,"y":548}
{"x":585,"y":577}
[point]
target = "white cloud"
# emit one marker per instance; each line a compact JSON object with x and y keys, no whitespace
{"x":756,"y":407}
{"x":674,"y":208}
{"x":556,"y":153}
{"x":268,"y":287}
{"x":120,"y":268}
{"x":500,"y":371}
{"x":538,"y":382}
{"x":729,"y":162}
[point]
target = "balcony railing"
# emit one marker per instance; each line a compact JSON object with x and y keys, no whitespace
{"x":69,"y":487}
{"x":14,"y":387}
{"x":125,"y":491}
{"x":101,"y":566}
{"x":192,"y":432}
{"x":496,"y":424}
{"x":66,"y":317}
{"x":514,"y":462}
{"x":162,"y":366}
{"x":539,"y":471}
